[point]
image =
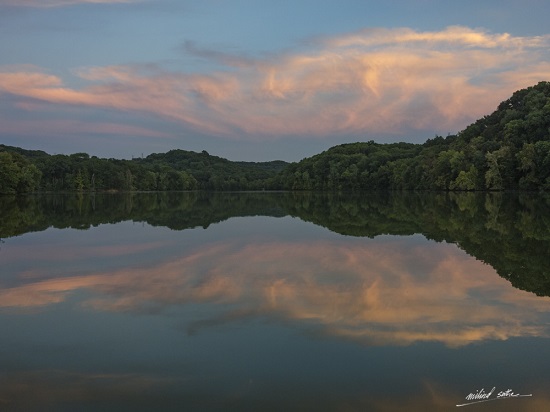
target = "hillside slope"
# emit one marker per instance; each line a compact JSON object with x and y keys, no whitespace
{"x":508,"y":149}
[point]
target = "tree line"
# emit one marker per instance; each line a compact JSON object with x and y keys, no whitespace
{"x":506,"y":150}
{"x":23,"y":171}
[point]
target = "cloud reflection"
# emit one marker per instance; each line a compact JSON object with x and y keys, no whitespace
{"x":47,"y":389}
{"x":373,"y":293}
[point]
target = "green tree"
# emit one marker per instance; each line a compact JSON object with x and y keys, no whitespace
{"x":17,"y":174}
{"x":494,"y":178}
{"x":465,"y":180}
{"x":9,"y":173}
{"x":79,"y":181}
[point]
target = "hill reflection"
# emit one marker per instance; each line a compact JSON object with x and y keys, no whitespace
{"x":510,"y":232}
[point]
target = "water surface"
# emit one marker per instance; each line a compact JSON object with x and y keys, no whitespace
{"x":274,"y":301}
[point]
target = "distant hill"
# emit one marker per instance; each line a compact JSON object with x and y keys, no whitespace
{"x":216,"y":173}
{"x":506,"y":150}
{"x":24,"y":170}
{"x":29,"y":154}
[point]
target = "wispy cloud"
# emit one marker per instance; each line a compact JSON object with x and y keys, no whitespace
{"x":371,"y":82}
{"x":222,"y":57}
{"x":457,"y":35}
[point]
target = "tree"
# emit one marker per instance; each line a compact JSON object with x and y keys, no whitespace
{"x":494,"y":179}
{"x":9,"y":173}
{"x":465,"y":180}
{"x":79,"y":181}
{"x":527,"y":164}
{"x":17,"y":174}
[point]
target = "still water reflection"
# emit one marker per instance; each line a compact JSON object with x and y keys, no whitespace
{"x":273,"y":302}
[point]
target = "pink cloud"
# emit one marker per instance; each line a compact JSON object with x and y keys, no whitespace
{"x":371,"y":82}
{"x":458,"y":35}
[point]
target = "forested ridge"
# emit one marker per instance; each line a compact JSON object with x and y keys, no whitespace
{"x":506,"y":150}
{"x":24,"y":171}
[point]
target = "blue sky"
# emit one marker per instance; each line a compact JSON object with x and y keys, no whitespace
{"x":258,"y":80}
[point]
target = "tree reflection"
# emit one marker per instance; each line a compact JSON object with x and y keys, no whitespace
{"x":510,"y":232}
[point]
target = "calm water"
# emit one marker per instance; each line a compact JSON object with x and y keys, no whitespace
{"x":274,"y":301}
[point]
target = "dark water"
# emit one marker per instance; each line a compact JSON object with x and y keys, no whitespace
{"x":274,"y":301}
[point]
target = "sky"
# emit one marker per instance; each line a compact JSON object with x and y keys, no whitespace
{"x":258,"y":80}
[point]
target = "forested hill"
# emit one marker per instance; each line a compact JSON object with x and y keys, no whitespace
{"x":509,"y":149}
{"x":506,"y":150}
{"x":31,"y":170}
{"x":216,"y":173}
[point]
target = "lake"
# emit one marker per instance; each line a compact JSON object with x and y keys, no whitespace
{"x":275,"y":301}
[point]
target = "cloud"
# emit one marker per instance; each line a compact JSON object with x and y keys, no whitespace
{"x":372,"y":82}
{"x":228,"y":59}
{"x":58,"y":3}
{"x":453,"y":35}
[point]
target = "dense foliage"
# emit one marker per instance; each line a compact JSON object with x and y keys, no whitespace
{"x":507,"y":150}
{"x":26,"y":171}
{"x":17,"y":174}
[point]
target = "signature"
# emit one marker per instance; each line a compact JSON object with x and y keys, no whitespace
{"x":482,"y":396}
